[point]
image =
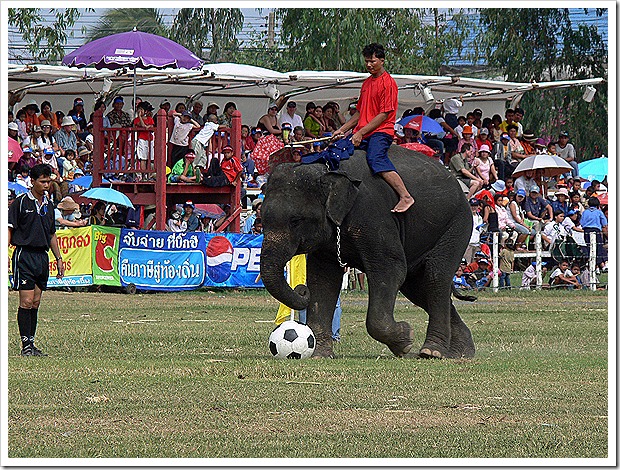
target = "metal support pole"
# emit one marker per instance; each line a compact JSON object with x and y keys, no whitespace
{"x":495,"y":281}
{"x":592,"y":261}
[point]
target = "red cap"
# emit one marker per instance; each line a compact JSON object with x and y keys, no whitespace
{"x":227,"y":147}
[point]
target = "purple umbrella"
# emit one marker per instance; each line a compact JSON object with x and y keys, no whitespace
{"x":134,"y":49}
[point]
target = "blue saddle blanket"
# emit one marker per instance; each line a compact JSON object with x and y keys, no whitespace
{"x":340,"y":150}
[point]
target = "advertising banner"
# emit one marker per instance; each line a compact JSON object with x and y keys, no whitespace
{"x":74,"y":245}
{"x":162,"y":260}
{"x":105,"y":255}
{"x":233,"y":260}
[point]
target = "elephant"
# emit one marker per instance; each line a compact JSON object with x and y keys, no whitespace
{"x":343,"y":218}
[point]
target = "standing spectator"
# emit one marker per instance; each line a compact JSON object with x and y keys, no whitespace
{"x":474,"y":240}
{"x":48,"y":115}
{"x":145,"y":150}
{"x":291,"y":116}
{"x":203,"y":146}
{"x":594,"y":221}
{"x":33,"y":233}
{"x":518,"y":117}
{"x":183,"y":125}
{"x":117,"y":115}
{"x":99,"y":104}
{"x":225,"y":119}
{"x":180,"y":107}
{"x":509,"y":114}
{"x":566,"y":150}
{"x":496,"y":120}
{"x":461,"y":123}
{"x":165,"y":105}
{"x":506,"y":264}
{"x":451,"y":107}
{"x":77,"y":114}
{"x":449,"y":138}
{"x":537,"y":208}
{"x":470,"y":118}
{"x":195,"y":112}
{"x":97,"y":214}
{"x":269,"y":121}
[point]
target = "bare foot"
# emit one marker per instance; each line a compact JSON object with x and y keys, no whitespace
{"x":403,"y":204}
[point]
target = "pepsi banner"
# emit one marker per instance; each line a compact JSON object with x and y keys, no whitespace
{"x":233,"y":260}
{"x":162,"y":260}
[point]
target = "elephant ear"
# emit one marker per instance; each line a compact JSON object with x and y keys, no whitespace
{"x":341,"y":192}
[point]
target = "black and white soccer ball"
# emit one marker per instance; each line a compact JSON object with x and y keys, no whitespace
{"x":292,"y":340}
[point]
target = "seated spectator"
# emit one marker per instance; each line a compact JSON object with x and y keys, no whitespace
{"x":484,"y":274}
{"x":78,"y":116}
{"x":540,"y":146}
{"x":183,"y":170}
{"x":459,"y":280}
{"x":248,"y":166}
{"x":249,"y":221}
{"x":183,"y":125}
{"x":299,"y":135}
{"x":30,"y":118}
{"x":66,"y":213}
{"x":483,"y":166}
{"x":468,"y":138}
{"x":554,"y":230}
{"x":23,"y":176}
{"x":517,"y":152}
{"x":528,"y":279}
{"x":66,"y":138}
{"x":527,"y":142}
{"x":269,"y":121}
{"x":231,"y":166}
{"x":84,"y":160}
{"x":190,"y":219}
{"x":313,"y":124}
{"x":89,"y":139}
{"x":576,"y":203}
{"x":459,"y":128}
{"x":526,"y":181}
{"x":516,"y":219}
{"x":461,"y":167}
{"x":474,"y":239}
{"x":48,"y":115}
{"x":176,"y":223}
{"x":536,"y":207}
{"x":496,"y":131}
{"x":328,"y":118}
{"x":225,"y":119}
{"x":572,"y":222}
{"x":561,"y":276}
{"x":97,"y":214}
{"x":247,"y":142}
{"x":561,"y":202}
{"x":469,"y":121}
{"x":257,"y":227}
{"x":483,"y":138}
{"x":195,"y":112}
{"x":27,"y":159}
{"x":117,"y":115}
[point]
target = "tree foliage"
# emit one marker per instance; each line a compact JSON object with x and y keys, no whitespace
{"x":122,"y":20}
{"x":41,"y":36}
{"x":214,"y":29}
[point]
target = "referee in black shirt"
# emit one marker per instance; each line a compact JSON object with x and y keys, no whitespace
{"x":32,"y":231}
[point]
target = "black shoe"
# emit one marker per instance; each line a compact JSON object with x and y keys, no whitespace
{"x":37,"y":352}
{"x":27,"y":351}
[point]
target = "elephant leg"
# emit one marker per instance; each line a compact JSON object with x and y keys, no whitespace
{"x":383,"y":286}
{"x":461,"y":343}
{"x":324,"y":279}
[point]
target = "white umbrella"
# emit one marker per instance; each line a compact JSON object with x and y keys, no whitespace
{"x":544,"y":165}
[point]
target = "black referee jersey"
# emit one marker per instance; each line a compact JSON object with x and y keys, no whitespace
{"x":32,"y":223}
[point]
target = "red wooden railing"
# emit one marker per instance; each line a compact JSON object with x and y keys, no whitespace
{"x":114,"y":157}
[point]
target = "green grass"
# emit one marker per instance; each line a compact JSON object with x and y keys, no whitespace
{"x":190,"y":375}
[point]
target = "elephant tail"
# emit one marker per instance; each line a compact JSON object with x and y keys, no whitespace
{"x":458,"y":295}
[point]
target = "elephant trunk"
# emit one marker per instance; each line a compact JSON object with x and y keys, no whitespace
{"x":274,"y":256}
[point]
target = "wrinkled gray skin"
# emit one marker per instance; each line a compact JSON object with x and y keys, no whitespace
{"x":416,"y":252}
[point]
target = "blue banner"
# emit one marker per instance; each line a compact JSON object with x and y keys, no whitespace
{"x":162,"y":260}
{"x":233,"y":260}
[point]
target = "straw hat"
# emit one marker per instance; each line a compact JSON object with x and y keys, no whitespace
{"x":68,"y":204}
{"x":67,"y":121}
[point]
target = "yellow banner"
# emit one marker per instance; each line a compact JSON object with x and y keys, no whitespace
{"x":76,"y":250}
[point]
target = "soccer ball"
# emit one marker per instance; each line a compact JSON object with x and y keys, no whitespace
{"x":292,"y":340}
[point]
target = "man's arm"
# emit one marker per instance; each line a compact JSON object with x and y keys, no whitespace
{"x":368,"y":128}
{"x":56,"y":251}
{"x":350,"y":124}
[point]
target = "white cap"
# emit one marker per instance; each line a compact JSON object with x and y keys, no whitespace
{"x":13,"y":126}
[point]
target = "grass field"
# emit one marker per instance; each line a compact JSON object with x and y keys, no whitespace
{"x":190,"y":375}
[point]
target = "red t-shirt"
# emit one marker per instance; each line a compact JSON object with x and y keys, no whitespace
{"x":144,"y":135}
{"x":231,"y":168}
{"x":378,"y":95}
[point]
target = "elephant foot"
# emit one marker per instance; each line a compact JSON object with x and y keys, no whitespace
{"x":323,"y":352}
{"x":432,"y":350}
{"x":461,"y":341}
{"x":404,"y":341}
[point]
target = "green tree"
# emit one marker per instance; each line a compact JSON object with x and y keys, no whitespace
{"x":121,"y":20}
{"x":544,"y":45}
{"x":214,"y":29}
{"x":44,"y":41}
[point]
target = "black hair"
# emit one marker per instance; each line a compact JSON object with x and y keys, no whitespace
{"x":465,"y":147}
{"x":496,"y":117}
{"x":557,"y":212}
{"x":434,"y":113}
{"x":310,"y":106}
{"x":418,"y":110}
{"x":176,"y":108}
{"x":594,"y":202}
{"x":519,"y":111}
{"x":246,"y":126}
{"x":42,"y":169}
{"x":21,"y":112}
{"x":595,"y":182}
{"x":70,"y":151}
{"x":471,"y":114}
{"x":98,"y":205}
{"x":374,"y":49}
{"x":229,"y":104}
{"x":511,"y":126}
{"x":486,"y":121}
{"x":509,"y":111}
{"x":408,"y":112}
{"x":46,"y":103}
{"x":461,"y":117}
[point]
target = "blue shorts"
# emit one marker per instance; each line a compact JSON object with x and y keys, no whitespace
{"x":376,"y":147}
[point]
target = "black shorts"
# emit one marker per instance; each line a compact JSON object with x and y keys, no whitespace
{"x":30,"y":269}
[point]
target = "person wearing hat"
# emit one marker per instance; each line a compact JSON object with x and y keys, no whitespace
{"x":77,"y":114}
{"x":183,"y":125}
{"x":189,"y":218}
{"x":183,"y":170}
{"x":352,"y":109}
{"x":34,"y":140}
{"x":269,"y":121}
{"x":31,"y":119}
{"x":484,"y":167}
{"x":527,"y":142}
{"x":540,"y":146}
{"x":117,"y":116}
{"x":566,"y":150}
{"x":225,"y":119}
{"x":33,"y":233}
{"x":451,"y":108}
{"x":165,"y":105}
{"x":231,"y":166}
{"x":516,"y":219}
{"x":468,"y":138}
{"x":27,"y":159}
{"x":561,"y":202}
{"x":14,"y":131}
{"x":66,"y":138}
{"x":47,"y":140}
{"x":195,"y":112}
{"x":290,"y":116}
{"x":212,"y":108}
{"x":65,"y":214}
{"x":483,"y":138}
{"x":48,"y":115}
{"x":594,"y":221}
{"x":537,"y":208}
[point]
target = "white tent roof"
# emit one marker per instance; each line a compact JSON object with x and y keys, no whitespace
{"x":246,"y":85}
